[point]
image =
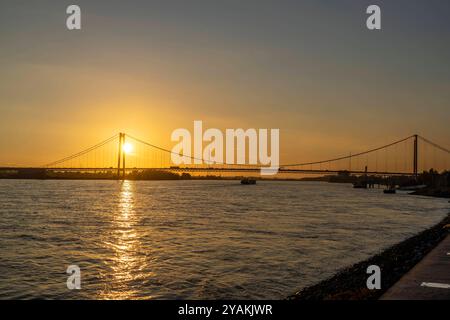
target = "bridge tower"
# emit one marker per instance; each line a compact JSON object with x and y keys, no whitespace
{"x":121,"y":156}
{"x":415,"y":155}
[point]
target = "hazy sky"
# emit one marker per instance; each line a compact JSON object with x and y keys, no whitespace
{"x":310,"y":68}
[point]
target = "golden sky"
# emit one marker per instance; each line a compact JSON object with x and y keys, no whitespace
{"x":309,"y":68}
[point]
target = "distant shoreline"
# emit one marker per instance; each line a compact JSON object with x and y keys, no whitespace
{"x":394,"y":262}
{"x":192,"y":178}
{"x":140,"y":176}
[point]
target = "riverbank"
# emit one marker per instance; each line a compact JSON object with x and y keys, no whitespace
{"x":394,"y":262}
{"x":443,"y":192}
{"x":427,"y":280}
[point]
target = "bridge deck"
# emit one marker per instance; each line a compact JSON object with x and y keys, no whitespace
{"x":218,"y":169}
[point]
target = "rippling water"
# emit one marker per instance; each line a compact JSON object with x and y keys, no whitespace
{"x":193,"y":239}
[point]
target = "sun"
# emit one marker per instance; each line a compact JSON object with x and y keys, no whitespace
{"x":127,"y":147}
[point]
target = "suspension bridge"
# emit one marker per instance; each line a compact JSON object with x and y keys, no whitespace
{"x":123,"y":153}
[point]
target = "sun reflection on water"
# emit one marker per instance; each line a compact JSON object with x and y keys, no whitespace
{"x":128,"y":259}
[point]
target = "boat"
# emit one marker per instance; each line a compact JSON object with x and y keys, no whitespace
{"x":360,"y":185}
{"x":389,"y":191}
{"x":248,"y":181}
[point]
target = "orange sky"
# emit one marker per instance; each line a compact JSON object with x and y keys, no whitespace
{"x":330,"y":87}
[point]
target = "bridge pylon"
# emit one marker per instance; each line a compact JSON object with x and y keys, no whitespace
{"x":415,"y":155}
{"x":121,"y":156}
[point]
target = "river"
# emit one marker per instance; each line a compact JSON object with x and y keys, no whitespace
{"x":193,"y":239}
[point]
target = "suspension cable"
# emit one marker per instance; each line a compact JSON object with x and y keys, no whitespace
{"x":190,"y":157}
{"x":82,"y":152}
{"x":348,"y":156}
{"x":434,"y":144}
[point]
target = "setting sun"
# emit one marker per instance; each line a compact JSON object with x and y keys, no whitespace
{"x":127,"y":147}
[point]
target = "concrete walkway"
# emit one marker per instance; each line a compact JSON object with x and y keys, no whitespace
{"x":428,"y":280}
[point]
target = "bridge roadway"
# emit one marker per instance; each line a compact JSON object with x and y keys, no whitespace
{"x":217,"y":169}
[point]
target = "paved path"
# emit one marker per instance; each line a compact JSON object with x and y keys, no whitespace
{"x":428,"y":280}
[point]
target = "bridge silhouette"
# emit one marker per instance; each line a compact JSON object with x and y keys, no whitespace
{"x":124,"y":153}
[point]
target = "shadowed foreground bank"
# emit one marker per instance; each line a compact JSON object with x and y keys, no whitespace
{"x":427,"y":280}
{"x":394,"y":262}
